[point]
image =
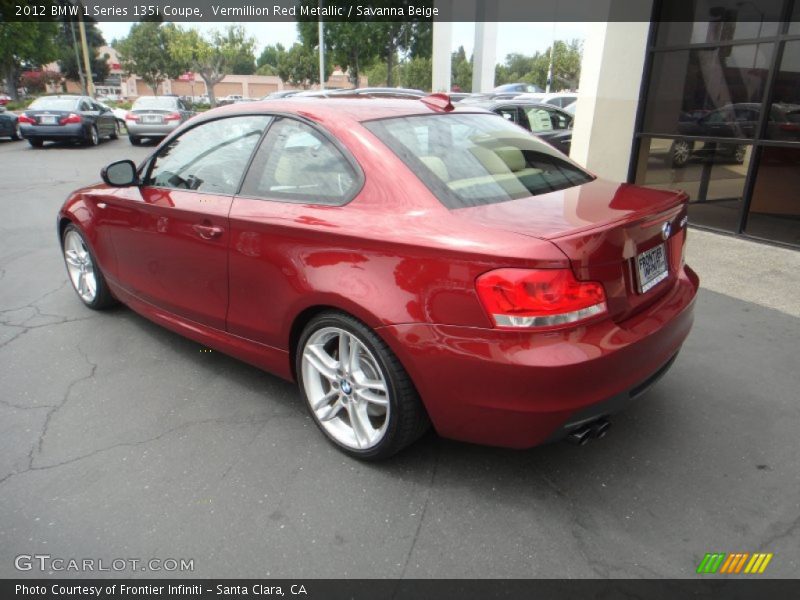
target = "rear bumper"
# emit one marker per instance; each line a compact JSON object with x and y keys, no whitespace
{"x":53,"y":132}
{"x":521,"y":389}
{"x":155,"y":130}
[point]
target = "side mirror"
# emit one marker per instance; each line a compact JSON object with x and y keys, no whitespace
{"x":121,"y":173}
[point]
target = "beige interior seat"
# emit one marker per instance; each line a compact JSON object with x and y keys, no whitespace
{"x":436,"y":164}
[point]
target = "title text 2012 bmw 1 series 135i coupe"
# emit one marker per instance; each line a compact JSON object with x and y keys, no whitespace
{"x":405,"y":262}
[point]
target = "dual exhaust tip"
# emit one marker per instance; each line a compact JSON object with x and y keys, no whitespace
{"x":592,"y":431}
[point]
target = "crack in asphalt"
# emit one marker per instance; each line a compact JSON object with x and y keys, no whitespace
{"x":424,"y":510}
{"x":31,"y":467}
{"x":788,"y":531}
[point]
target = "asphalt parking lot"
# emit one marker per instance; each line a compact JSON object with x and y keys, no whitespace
{"x":119,"y":439}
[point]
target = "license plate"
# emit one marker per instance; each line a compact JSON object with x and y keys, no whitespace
{"x":47,"y":120}
{"x":652,"y":267}
{"x":151,"y":119}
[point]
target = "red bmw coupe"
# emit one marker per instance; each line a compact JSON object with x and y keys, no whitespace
{"x":407,"y":263}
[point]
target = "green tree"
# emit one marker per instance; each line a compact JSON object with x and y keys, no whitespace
{"x":238,"y":49}
{"x":533,"y":69}
{"x":461,"y":70}
{"x":270,"y":55}
{"x":211,"y":59}
{"x":412,"y":39}
{"x":67,"y":62}
{"x":299,"y":67}
{"x":29,"y":44}
{"x":417,"y":73}
{"x":147,"y":52}
{"x":350,"y":44}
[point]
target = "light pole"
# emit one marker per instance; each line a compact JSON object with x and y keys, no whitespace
{"x":321,"y":32}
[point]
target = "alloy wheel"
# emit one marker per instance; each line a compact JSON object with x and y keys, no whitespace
{"x":345,"y":387}
{"x":80,"y":266}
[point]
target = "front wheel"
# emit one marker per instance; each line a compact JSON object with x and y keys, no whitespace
{"x":680,"y":153}
{"x":355,"y":388}
{"x":83,"y":271}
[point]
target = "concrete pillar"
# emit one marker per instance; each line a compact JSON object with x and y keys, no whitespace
{"x":484,"y":57}
{"x":442,"y":46}
{"x":608,"y":99}
{"x":442,"y":43}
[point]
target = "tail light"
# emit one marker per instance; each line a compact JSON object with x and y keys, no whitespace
{"x":790,"y":127}
{"x":547,"y":298}
{"x":23,"y":118}
{"x":172,"y":117}
{"x":131,"y":117}
{"x":70,"y":118}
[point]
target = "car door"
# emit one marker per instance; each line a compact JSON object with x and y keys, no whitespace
{"x":170,"y":235}
{"x":105,"y":119}
{"x":298,"y":177}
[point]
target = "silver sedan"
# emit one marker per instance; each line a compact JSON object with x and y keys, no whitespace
{"x":155,"y":117}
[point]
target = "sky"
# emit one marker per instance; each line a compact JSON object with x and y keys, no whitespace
{"x":524,"y":38}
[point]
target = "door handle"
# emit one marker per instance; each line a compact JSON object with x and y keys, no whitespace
{"x":207,"y":232}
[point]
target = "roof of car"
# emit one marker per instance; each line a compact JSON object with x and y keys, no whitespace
{"x":350,"y":108}
{"x":489,"y":104}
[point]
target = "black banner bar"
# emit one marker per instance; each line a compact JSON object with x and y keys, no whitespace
{"x":729,"y":588}
{"x":193,"y":11}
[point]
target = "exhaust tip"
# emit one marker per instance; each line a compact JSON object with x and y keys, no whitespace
{"x":580,"y":437}
{"x":593,"y":431}
{"x":600,"y":428}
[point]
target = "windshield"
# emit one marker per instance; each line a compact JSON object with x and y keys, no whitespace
{"x":475,"y":159}
{"x":53,"y":103}
{"x":153,"y":102}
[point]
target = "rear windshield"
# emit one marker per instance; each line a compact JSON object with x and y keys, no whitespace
{"x":54,"y":103}
{"x":476,"y":159}
{"x":153,"y":102}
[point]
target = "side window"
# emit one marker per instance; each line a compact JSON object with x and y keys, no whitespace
{"x":210,"y":157}
{"x":84,"y":106}
{"x":539,"y":119}
{"x":509,"y":113}
{"x":296,"y":163}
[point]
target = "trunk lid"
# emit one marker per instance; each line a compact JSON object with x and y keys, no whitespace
{"x":601,"y":227}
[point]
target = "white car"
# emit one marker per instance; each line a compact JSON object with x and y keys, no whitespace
{"x":559,"y":99}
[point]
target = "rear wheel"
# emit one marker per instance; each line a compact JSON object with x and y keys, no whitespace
{"x":355,"y":388}
{"x":739,"y":153}
{"x":115,"y":132}
{"x":135,"y":140}
{"x":93,"y":138}
{"x":36,"y":143}
{"x":16,"y":134}
{"x":83,"y":271}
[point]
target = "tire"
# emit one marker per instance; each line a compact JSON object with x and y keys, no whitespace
{"x":83,"y":271}
{"x":679,"y":153}
{"x":739,"y":153}
{"x":35,"y":142}
{"x":388,"y":419}
{"x":93,"y":137}
{"x":115,"y":132}
{"x":16,"y":135}
{"x":135,"y":141}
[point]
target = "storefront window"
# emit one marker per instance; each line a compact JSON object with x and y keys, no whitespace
{"x":696,"y":92}
{"x":775,"y":207}
{"x":709,"y":21}
{"x":713,"y":175}
{"x":784,"y":117}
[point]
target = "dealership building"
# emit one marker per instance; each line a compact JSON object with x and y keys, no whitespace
{"x":704,"y":97}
